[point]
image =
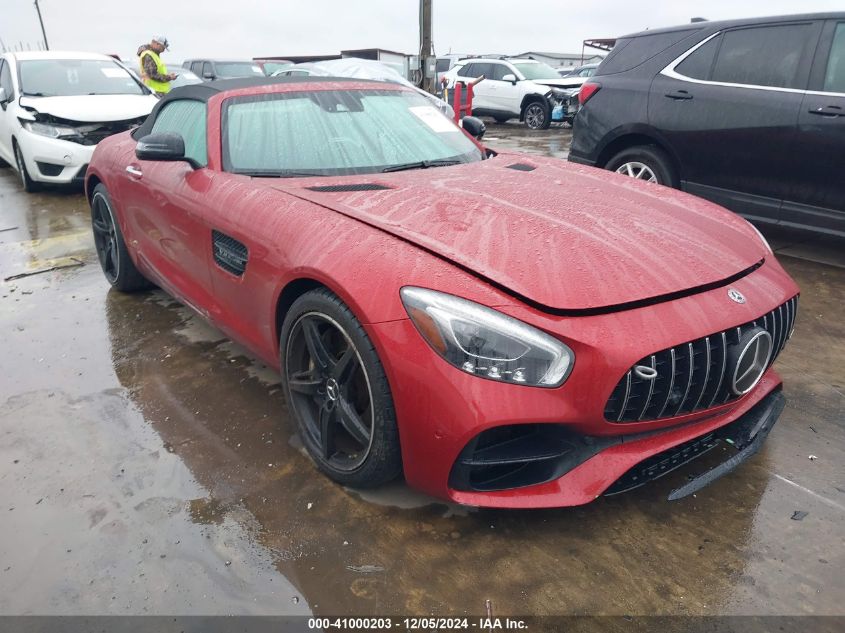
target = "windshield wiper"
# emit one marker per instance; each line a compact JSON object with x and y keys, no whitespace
{"x":34,"y":94}
{"x":423,"y":164}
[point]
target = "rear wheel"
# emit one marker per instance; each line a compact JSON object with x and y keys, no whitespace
{"x":117,"y":265}
{"x":537,"y":115}
{"x":644,"y":162}
{"x":29,"y":185}
{"x":338,"y":393}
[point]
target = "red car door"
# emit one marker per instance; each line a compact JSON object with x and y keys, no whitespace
{"x":163,"y":204}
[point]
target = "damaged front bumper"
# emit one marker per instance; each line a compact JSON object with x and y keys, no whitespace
{"x":564,"y":104}
{"x":746,"y":435}
{"x":63,"y":159}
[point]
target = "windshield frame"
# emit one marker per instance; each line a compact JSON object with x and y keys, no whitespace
{"x":520,"y":65}
{"x":475,"y":154}
{"x":143,"y":89}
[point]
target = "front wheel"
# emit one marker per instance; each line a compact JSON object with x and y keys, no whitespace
{"x":117,"y":265}
{"x":537,"y":115}
{"x":337,"y":392}
{"x":29,"y":185}
{"x":644,"y":162}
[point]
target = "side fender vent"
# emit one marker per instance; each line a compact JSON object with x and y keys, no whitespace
{"x":230,"y":254}
{"x":521,"y":167}
{"x":361,"y":186}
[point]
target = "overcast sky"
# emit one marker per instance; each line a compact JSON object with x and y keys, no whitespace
{"x":249,"y":28}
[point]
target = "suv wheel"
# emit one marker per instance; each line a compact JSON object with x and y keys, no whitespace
{"x":537,"y":115}
{"x":644,"y":162}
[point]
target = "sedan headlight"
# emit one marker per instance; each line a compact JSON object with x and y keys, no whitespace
{"x":487,"y":343}
{"x":46,"y":129}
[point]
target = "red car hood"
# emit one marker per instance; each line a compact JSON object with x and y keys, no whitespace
{"x":562,"y":236}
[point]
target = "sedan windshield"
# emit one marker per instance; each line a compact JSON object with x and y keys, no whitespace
{"x":74,"y":77}
{"x":333,"y":132}
{"x":535,"y":70}
{"x":238,"y":69}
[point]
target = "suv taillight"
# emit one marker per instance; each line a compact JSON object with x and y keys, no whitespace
{"x":587,"y":90}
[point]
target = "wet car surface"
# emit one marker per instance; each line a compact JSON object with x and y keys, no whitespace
{"x":147,"y":465}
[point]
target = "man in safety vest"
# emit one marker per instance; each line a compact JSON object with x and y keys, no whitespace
{"x":153,"y":71}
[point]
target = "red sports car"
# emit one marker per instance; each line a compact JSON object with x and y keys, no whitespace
{"x":504,"y":330}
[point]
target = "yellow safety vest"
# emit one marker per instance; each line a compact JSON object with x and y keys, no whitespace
{"x":158,"y":86}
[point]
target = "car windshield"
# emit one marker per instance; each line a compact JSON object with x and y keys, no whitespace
{"x":238,"y":69}
{"x":271,"y":67}
{"x":535,"y":70}
{"x":74,"y":77}
{"x":334,"y":132}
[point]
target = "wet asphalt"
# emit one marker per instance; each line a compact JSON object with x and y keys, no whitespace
{"x":148,"y":465}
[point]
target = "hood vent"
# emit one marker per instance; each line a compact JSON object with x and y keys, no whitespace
{"x":362,"y":186}
{"x":521,"y":167}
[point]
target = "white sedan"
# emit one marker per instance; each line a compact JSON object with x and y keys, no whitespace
{"x":56,"y":106}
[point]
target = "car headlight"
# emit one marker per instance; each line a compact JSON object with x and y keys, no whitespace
{"x":46,"y":129}
{"x":486,"y":343}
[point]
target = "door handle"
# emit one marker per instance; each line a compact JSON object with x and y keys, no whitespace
{"x":134,"y":171}
{"x":679,"y":95}
{"x":831,"y":111}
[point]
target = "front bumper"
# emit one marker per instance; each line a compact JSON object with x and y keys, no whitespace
{"x":441,"y":409}
{"x":66,"y":159}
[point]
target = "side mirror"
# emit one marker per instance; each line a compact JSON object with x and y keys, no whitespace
{"x":4,"y":98}
{"x":474,"y":126}
{"x":510,"y":77}
{"x":208,"y":76}
{"x":168,"y":146}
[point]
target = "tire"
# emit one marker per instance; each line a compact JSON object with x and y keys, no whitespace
{"x":645,"y":162}
{"x":117,"y":265}
{"x":537,"y":115}
{"x":29,"y":185}
{"x":337,"y":392}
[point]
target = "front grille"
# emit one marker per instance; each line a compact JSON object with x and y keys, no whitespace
{"x":93,"y":133}
{"x":693,"y":376}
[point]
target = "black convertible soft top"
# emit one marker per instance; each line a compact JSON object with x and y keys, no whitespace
{"x":205,"y":91}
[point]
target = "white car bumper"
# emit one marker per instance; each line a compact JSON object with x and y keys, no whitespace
{"x":53,"y":160}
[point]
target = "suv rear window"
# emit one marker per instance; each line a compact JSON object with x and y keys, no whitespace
{"x":764,"y":56}
{"x":630,"y":52}
{"x":700,"y":63}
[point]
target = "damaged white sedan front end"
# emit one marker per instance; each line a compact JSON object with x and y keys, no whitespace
{"x":56,"y":107}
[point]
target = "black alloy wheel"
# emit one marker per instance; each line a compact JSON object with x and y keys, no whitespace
{"x":337,"y":392}
{"x":117,"y":265}
{"x":105,"y":239}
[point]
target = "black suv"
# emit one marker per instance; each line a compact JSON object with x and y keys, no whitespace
{"x":747,"y":113}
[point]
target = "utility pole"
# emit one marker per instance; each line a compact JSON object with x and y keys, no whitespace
{"x":427,"y":61}
{"x":41,"y":21}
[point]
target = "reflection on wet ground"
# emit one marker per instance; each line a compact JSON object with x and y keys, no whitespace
{"x":147,"y":465}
